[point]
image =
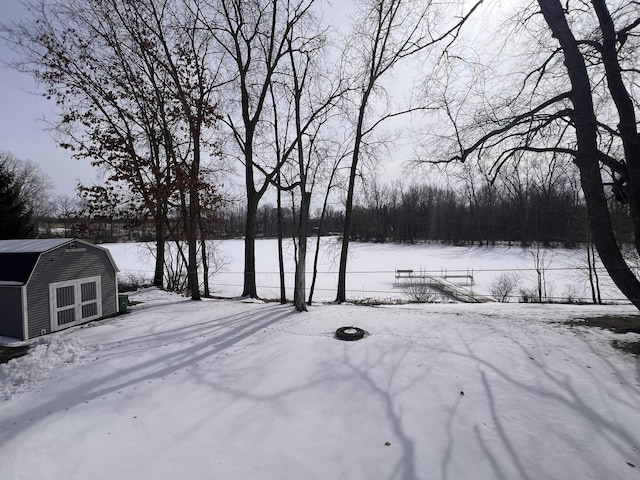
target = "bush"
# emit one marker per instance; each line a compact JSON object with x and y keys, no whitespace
{"x":419,"y":292}
{"x":529,"y":295}
{"x":504,"y":285}
{"x":570,"y":295}
{"x":130,"y":282}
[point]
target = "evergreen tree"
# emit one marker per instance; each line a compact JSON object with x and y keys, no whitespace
{"x":16,"y":219}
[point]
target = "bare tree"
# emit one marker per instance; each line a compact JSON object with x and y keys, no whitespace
{"x":577,"y":100}
{"x":254,"y":35}
{"x":314,"y":95}
{"x":388,"y":32}
{"x":335,"y":150}
{"x":65,"y":209}
{"x":192,"y":65}
{"x":83,"y":56}
{"x":133,"y":84}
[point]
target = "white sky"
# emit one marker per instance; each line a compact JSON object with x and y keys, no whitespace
{"x":22,"y":126}
{"x":24,"y":112}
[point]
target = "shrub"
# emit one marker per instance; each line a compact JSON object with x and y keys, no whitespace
{"x":504,"y":285}
{"x":529,"y":295}
{"x":130,"y":281}
{"x":420,"y":292}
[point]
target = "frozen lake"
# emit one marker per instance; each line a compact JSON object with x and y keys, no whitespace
{"x":372,"y":267}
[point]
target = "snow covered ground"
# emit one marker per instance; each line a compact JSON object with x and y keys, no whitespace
{"x":235,"y":389}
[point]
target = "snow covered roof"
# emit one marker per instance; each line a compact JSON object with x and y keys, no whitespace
{"x":19,"y":257}
{"x":32,"y":245}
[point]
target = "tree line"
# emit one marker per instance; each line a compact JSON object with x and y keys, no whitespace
{"x":418,"y":213}
{"x":552,"y":214}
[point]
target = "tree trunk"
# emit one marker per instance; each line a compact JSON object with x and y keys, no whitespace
{"x":314,"y":275}
{"x":301,"y":264}
{"x":158,"y":274}
{"x":348,"y":209}
{"x":341,"y":295}
{"x":603,"y":236}
{"x":588,"y":156}
{"x":591,"y":267}
{"x":194,"y":215}
{"x":203,"y":252}
{"x":318,"y":238}
{"x":626,"y":112}
{"x":205,"y":266}
{"x":283,"y":290}
{"x":250,"y":289}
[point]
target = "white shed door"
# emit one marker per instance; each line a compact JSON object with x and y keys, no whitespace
{"x":74,"y":302}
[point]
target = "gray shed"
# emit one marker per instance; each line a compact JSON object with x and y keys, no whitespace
{"x":50,"y":284}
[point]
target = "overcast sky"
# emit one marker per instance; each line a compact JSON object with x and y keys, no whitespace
{"x":23,"y":115}
{"x":24,"y":111}
{"x":23,"y":130}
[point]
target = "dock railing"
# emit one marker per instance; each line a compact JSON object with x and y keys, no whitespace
{"x":426,"y":276}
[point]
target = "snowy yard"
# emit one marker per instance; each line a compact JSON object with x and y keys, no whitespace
{"x":229,"y":389}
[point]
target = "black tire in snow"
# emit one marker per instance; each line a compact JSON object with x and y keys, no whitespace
{"x":349,"y":334}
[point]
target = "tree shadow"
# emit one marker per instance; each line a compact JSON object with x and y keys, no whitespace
{"x":191,"y":343}
{"x":388,"y":390}
{"x":380,"y":370}
{"x":554,"y":385}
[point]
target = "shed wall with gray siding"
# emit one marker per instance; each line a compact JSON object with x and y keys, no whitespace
{"x":64,"y":264}
{"x":11,"y":312}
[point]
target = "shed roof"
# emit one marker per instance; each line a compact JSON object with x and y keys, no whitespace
{"x":19,"y":257}
{"x":32,"y":245}
{"x":16,"y":267}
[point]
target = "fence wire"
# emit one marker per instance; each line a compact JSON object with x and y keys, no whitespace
{"x":217,"y":282}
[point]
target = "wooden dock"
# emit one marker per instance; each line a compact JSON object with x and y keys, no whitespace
{"x":441,"y":283}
